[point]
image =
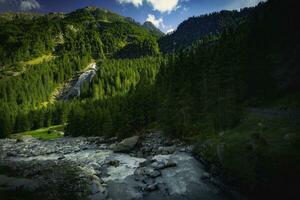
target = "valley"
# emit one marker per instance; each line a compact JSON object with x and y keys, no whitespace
{"x":95,"y":105}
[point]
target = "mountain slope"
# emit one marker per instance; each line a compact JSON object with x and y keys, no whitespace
{"x":39,"y":54}
{"x":196,"y":28}
{"x":30,"y":35}
{"x":155,"y":31}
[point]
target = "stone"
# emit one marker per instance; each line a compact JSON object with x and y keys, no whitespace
{"x":94,"y":165}
{"x":125,"y":145}
{"x":152,"y":187}
{"x":145,"y":163}
{"x":115,"y":163}
{"x":166,"y":150}
{"x":162,"y":162}
{"x":95,"y":178}
{"x":98,"y":196}
{"x":155,"y":174}
{"x":144,"y":171}
{"x":96,"y":187}
{"x":163,"y":165}
{"x":98,"y":192}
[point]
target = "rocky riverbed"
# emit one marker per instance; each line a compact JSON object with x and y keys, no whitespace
{"x":149,"y":167}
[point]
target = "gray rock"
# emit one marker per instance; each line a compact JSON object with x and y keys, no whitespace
{"x":94,"y":165}
{"x":163,"y":165}
{"x":114,"y":163}
{"x":98,"y":196}
{"x":144,"y":171}
{"x":98,"y":191}
{"x":126,"y":145}
{"x":166,"y":150}
{"x":145,"y":163}
{"x":155,"y":174}
{"x":162,"y":162}
{"x":152,"y":187}
{"x":147,"y":171}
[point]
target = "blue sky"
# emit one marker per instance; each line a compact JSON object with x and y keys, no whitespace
{"x":165,"y":14}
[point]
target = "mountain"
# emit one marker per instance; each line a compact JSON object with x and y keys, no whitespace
{"x":155,"y":31}
{"x":9,"y":16}
{"x":40,"y":54}
{"x":196,"y":28}
{"x":30,"y":35}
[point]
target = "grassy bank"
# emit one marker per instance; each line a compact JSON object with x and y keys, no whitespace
{"x":260,"y":156}
{"x":48,"y":133}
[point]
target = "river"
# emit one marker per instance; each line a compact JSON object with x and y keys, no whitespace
{"x":152,"y":167}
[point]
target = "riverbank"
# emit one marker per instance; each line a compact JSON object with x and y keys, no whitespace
{"x":260,"y":157}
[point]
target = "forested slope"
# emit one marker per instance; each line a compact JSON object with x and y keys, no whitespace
{"x":204,"y":26}
{"x":39,"y":53}
{"x":204,"y":93}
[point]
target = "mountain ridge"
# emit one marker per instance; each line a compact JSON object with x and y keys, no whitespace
{"x":203,"y":26}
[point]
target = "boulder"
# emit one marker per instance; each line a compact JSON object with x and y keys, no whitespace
{"x":147,"y":171}
{"x":126,"y":145}
{"x":94,"y":165}
{"x":155,"y":174}
{"x":144,"y":171}
{"x":162,"y":162}
{"x":166,"y":150}
{"x":114,"y":163}
{"x":98,"y":192}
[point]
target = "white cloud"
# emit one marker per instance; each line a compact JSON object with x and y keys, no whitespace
{"x":136,"y":3}
{"x":170,"y":31}
{"x":29,"y":5}
{"x":23,"y":5}
{"x":158,"y":23}
{"x":159,"y":5}
{"x":164,"y":5}
{"x":238,"y":4}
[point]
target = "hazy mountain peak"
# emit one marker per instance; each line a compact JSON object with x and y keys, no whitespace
{"x":150,"y":26}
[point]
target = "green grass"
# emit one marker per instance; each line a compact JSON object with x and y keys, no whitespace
{"x":39,"y":60}
{"x":21,"y":67}
{"x":42,"y":134}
